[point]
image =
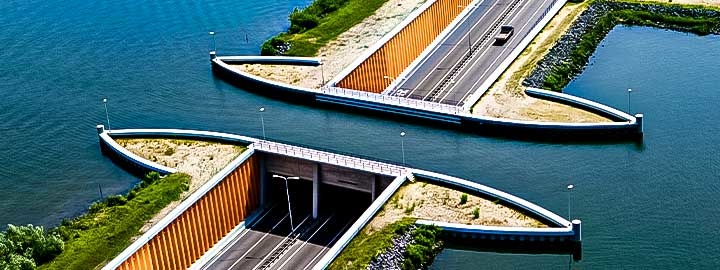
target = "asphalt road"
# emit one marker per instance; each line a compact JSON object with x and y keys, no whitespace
{"x":271,"y":243}
{"x":452,"y":71}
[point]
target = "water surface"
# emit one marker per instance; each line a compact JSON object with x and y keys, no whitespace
{"x":649,"y":206}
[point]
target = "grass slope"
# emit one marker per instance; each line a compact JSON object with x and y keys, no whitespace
{"x":330,"y":26}
{"x":106,"y":230}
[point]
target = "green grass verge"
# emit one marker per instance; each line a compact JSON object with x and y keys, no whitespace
{"x":365,"y":247}
{"x":562,"y":74}
{"x":98,"y":236}
{"x":329,"y":27}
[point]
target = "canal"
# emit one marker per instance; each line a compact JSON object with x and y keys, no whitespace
{"x":642,"y":205}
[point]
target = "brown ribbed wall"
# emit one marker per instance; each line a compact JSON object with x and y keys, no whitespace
{"x":202,"y":225}
{"x":397,"y":54}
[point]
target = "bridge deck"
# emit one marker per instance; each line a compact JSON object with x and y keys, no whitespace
{"x":329,"y":158}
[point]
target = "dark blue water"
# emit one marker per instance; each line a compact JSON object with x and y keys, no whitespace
{"x":642,"y":207}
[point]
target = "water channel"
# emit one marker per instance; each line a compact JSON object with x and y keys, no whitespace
{"x":643,"y":206}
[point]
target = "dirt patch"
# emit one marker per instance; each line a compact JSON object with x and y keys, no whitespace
{"x":423,"y":200}
{"x":201,"y":160}
{"x":343,"y":51}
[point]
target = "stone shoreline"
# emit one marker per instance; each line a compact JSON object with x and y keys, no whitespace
{"x":560,"y":54}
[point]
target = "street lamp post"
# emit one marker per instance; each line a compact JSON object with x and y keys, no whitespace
{"x":262,"y":121}
{"x":322,"y":74}
{"x":570,"y":188}
{"x":213,"y":38}
{"x":107,"y":116}
{"x":287,"y":191}
{"x":629,"y":91}
{"x":402,"y":145}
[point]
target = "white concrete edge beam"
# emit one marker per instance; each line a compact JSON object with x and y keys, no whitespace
{"x":551,"y":95}
{"x":348,"y":236}
{"x":177,"y":211}
{"x":480,"y":91}
{"x":153,"y":166}
{"x":457,"y":227}
{"x":274,"y":83}
{"x":192,"y":134}
{"x":273,"y":60}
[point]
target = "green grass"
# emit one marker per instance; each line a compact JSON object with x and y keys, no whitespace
{"x":365,"y":247}
{"x":561,"y":75}
{"x":97,"y":237}
{"x":330,"y":26}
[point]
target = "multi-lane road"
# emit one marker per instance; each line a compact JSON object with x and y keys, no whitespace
{"x":271,"y":243}
{"x":467,"y":56}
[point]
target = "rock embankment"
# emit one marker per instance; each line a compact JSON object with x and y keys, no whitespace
{"x":393,"y":257}
{"x":561,"y":53}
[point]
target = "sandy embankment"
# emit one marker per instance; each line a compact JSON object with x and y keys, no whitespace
{"x":341,"y":52}
{"x":201,"y":160}
{"x":432,"y":202}
{"x":507,"y":99}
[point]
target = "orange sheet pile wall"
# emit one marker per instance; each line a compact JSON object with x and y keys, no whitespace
{"x":377,"y":72}
{"x":202,"y":225}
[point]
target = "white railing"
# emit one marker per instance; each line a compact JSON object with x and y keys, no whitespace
{"x":329,"y":158}
{"x":392,"y":100}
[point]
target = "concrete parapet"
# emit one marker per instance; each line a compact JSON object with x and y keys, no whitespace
{"x":271,"y":60}
{"x":109,"y":144}
{"x":575,"y":101}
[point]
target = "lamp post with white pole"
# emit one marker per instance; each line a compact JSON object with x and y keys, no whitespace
{"x":262,"y":121}
{"x":287,"y":191}
{"x":213,"y":39}
{"x":570,"y":188}
{"x":107,"y":116}
{"x":629,"y":91}
{"x":402,"y":145}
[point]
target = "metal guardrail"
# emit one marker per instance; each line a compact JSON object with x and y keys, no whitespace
{"x":392,"y":100}
{"x":329,"y":158}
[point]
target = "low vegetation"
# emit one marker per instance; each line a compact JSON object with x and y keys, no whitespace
{"x":317,"y":24}
{"x":422,"y":250}
{"x":108,"y":227}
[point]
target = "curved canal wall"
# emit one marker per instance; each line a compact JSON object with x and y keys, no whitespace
{"x":628,"y":128}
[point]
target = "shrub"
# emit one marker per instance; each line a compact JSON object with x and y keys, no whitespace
{"x":169,"y":151}
{"x":115,"y":200}
{"x":424,"y":247}
{"x":476,"y":213}
{"x":463,"y":198}
{"x":301,"y":21}
{"x":24,"y":247}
